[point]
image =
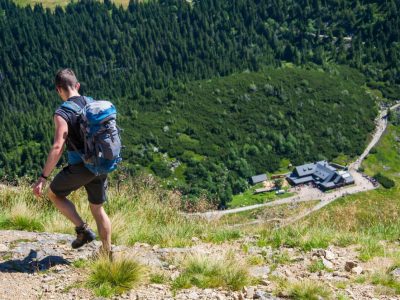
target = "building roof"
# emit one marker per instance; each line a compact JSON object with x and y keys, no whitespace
{"x":305,"y":170}
{"x":321,"y":173}
{"x":258,"y":178}
{"x":302,"y":179}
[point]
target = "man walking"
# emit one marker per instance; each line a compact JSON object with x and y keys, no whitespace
{"x":75,"y":175}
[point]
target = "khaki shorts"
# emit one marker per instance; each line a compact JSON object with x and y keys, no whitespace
{"x":72,"y":177}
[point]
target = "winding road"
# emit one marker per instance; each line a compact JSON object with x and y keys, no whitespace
{"x":306,"y":193}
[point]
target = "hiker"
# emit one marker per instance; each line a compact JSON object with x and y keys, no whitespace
{"x":75,"y":174}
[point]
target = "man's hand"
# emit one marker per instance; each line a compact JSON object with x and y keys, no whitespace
{"x":38,"y":187}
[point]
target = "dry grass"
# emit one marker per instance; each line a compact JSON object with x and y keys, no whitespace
{"x":140,"y":212}
{"x":223,"y":270}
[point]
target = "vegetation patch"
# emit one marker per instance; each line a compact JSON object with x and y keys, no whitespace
{"x":385,"y":181}
{"x":108,"y":278}
{"x":301,"y":290}
{"x":211,"y":272}
{"x":317,"y":266}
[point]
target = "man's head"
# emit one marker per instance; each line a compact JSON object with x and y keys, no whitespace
{"x":66,"y":83}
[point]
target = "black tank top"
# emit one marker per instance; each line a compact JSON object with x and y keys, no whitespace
{"x":74,"y":134}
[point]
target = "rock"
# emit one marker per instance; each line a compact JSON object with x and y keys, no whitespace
{"x":319,"y":252}
{"x":171,"y":267}
{"x":240,"y":296}
{"x":195,"y":239}
{"x":350,"y":265}
{"x":357,"y":270}
{"x":250,"y":293}
{"x":175,"y":275}
{"x":193,"y":295}
{"x":327,"y":263}
{"x":220,"y":297}
{"x":259,"y":271}
{"x":3,"y":248}
{"x":396,"y":273}
{"x":262,"y":295}
{"x":265,"y":282}
{"x":288,"y":273}
{"x":329,"y":255}
{"x":157,"y":286}
{"x":297,"y":259}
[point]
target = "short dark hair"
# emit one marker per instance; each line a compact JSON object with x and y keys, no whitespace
{"x":65,"y":78}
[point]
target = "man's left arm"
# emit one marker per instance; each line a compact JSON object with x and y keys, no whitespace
{"x":61,"y":133}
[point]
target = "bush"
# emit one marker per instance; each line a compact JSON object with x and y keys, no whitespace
{"x":384,"y":181}
{"x":161,"y":169}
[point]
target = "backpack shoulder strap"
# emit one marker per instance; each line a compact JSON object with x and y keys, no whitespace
{"x":88,"y":99}
{"x":72,"y":106}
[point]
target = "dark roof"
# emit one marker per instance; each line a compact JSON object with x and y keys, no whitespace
{"x":321,"y":173}
{"x":305,"y":170}
{"x":302,"y":179}
{"x":258,"y":178}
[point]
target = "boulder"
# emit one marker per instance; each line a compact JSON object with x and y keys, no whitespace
{"x":396,"y":273}
{"x":350,"y":265}
{"x":357,"y":270}
{"x":327,"y":263}
{"x":329,"y":255}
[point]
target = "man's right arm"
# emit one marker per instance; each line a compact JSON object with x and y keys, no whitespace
{"x":60,"y":137}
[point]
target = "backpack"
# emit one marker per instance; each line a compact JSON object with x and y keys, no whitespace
{"x":102,"y":141}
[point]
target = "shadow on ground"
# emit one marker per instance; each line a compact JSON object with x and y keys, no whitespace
{"x":31,"y":263}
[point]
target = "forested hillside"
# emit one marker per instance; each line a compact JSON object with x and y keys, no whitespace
{"x":146,"y":56}
{"x":222,"y":131}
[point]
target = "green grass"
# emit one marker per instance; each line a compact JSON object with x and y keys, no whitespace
{"x":159,"y":278}
{"x":212,"y":272}
{"x":80,"y":263}
{"x":108,"y":278}
{"x":248,"y":197}
{"x":301,"y":290}
{"x":386,"y":280}
{"x":255,"y":260}
{"x":316,"y":266}
{"x":370,"y":248}
{"x":308,"y":290}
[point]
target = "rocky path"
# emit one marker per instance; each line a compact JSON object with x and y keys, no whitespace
{"x":41,"y":266}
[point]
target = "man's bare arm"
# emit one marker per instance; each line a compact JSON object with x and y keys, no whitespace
{"x":61,"y":133}
{"x":56,"y":150}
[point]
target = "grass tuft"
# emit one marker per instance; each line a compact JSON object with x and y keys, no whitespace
{"x":212,"y":272}
{"x":309,"y":290}
{"x":108,"y":278}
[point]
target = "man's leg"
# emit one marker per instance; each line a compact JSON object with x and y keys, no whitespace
{"x":66,"y":207}
{"x":103,"y":225}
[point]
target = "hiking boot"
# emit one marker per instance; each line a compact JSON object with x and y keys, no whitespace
{"x":84,"y":235}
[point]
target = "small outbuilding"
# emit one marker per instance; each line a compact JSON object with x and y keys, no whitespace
{"x":258,"y":178}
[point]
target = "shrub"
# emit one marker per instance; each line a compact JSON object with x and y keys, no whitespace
{"x":161,"y":169}
{"x":384,"y":181}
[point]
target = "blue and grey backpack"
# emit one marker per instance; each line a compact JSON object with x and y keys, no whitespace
{"x":102,"y":140}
